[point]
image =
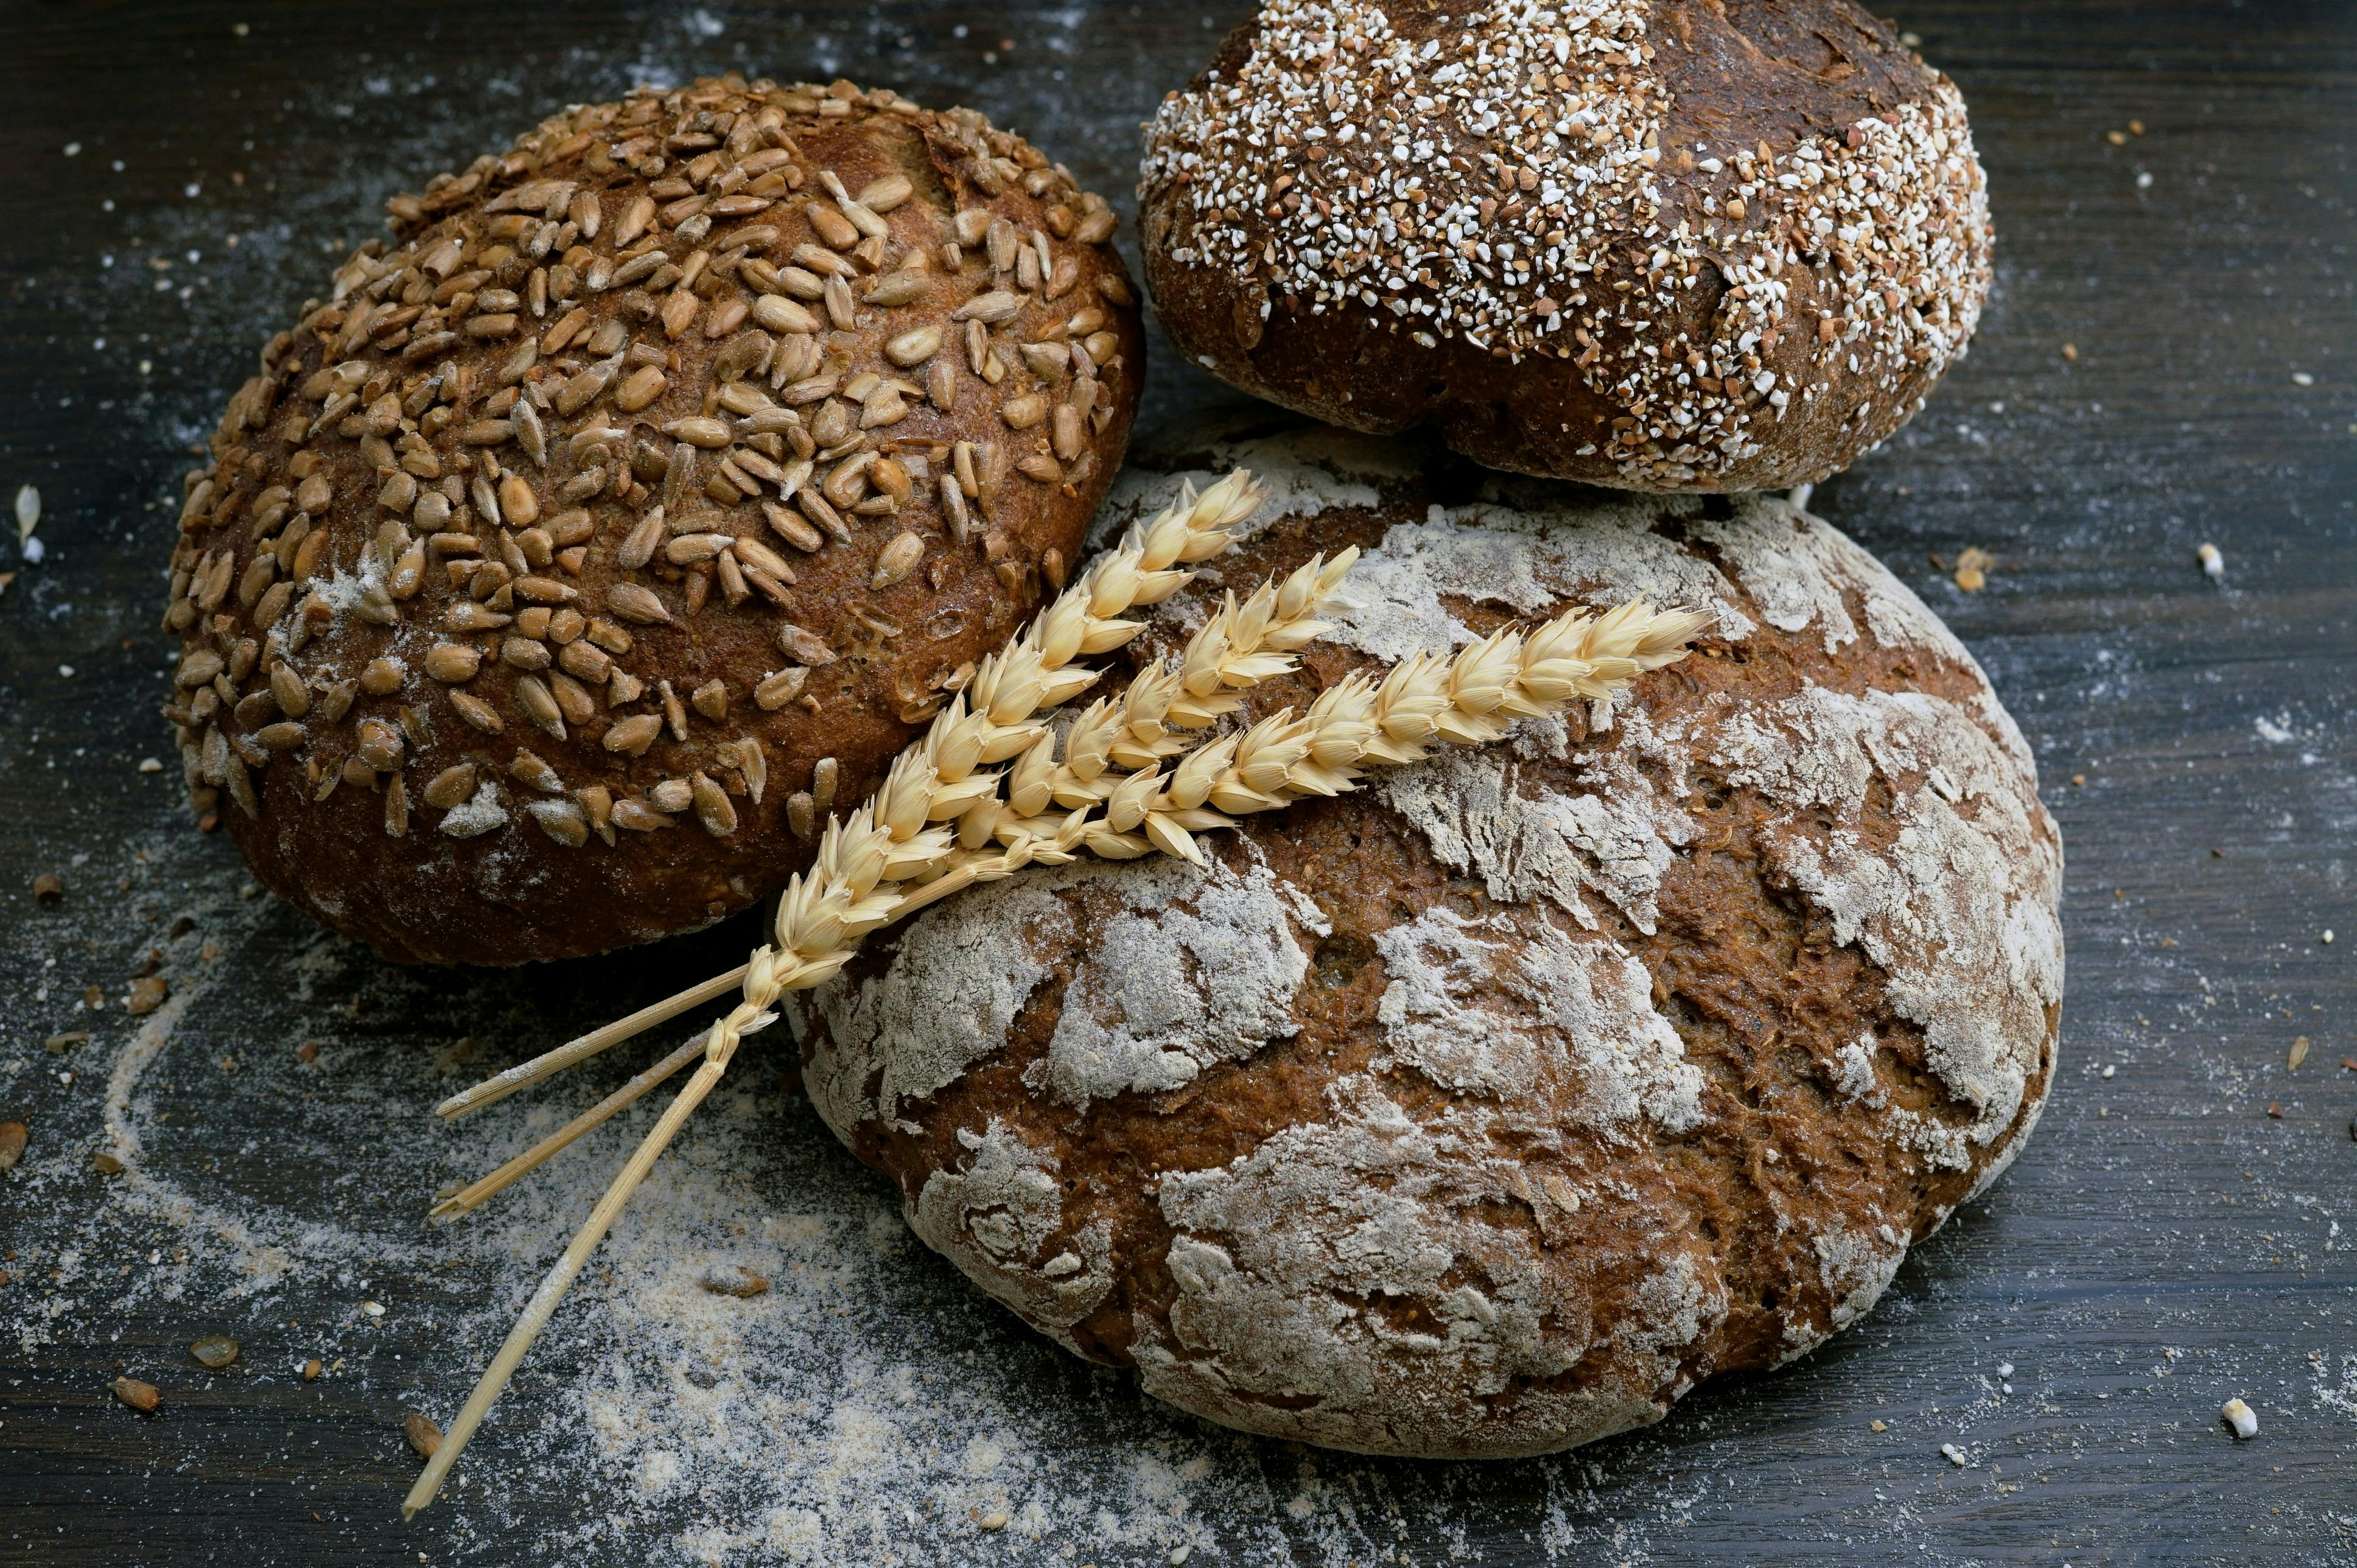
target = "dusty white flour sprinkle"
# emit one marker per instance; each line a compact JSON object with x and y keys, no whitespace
{"x":871,"y":1407}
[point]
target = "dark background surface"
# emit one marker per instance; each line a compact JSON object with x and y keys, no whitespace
{"x":2166,"y":1241}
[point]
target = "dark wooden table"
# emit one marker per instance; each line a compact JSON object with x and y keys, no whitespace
{"x":2168,"y":361}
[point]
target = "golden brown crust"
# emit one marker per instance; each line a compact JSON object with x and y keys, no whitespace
{"x":559,"y":573}
{"x":1689,"y":245}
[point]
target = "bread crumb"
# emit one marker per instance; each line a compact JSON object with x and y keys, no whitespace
{"x":422,"y":1435}
{"x":1954,"y":1455}
{"x":2240,"y":1417}
{"x":2213,"y":564}
{"x":143,"y":1397}
{"x":1971,"y":568}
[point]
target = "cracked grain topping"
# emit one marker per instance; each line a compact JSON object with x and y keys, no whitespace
{"x":647,"y":457}
{"x":1524,"y":179}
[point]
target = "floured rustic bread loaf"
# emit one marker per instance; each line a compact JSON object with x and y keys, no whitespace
{"x":1690,"y":244}
{"x":1487,"y":1111}
{"x":557,"y":575}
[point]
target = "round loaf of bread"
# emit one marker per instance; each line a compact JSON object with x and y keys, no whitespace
{"x":559,"y":573}
{"x":1486,"y":1112}
{"x":1715,"y":245}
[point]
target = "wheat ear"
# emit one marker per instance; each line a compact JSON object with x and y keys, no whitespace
{"x":824,"y":912}
{"x":1469,"y":698}
{"x":1149,"y":564}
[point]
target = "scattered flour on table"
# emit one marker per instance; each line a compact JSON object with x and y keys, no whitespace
{"x":870,"y":1407}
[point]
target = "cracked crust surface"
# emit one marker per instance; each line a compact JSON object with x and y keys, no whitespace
{"x":1488,"y":1111}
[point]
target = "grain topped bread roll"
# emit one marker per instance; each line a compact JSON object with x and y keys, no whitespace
{"x":559,"y":573}
{"x":1697,"y":245}
{"x":1488,"y":1111}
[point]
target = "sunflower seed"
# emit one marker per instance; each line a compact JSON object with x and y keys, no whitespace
{"x":640,"y":388}
{"x":712,"y":806}
{"x":831,"y":226}
{"x":630,"y":602}
{"x":450,"y":662}
{"x":884,"y":195}
{"x":779,"y":314}
{"x":897,"y":559}
{"x":560,"y":820}
{"x":292,"y":697}
{"x":803,"y":646}
{"x":708,"y":433}
{"x":639,"y":817}
{"x":477,"y":712}
{"x":634,"y":734}
{"x":690,"y":548}
{"x":139,"y":1396}
{"x":639,"y":546}
{"x":523,"y":653}
{"x":895,"y":289}
{"x":583,"y":661}
{"x":779,"y":687}
{"x":990,"y":308}
{"x":539,"y":705}
{"x":753,"y":763}
{"x":450,"y":787}
{"x":528,"y":769}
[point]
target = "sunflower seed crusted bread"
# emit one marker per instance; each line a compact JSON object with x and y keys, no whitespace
{"x":560,"y":573}
{"x":1713,"y":245}
{"x":1487,"y":1111}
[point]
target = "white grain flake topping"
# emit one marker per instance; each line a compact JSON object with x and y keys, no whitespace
{"x":1473,"y":187}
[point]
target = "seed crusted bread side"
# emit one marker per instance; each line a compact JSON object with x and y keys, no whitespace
{"x":1488,"y":1111}
{"x":1677,"y":245}
{"x":628,"y":512}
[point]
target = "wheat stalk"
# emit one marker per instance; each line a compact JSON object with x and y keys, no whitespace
{"x":899,"y":852}
{"x":826,"y":911}
{"x":987,"y":721}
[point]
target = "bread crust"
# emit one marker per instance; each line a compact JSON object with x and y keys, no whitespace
{"x":637,"y":505}
{"x":1487,"y":1111}
{"x":1729,"y":245}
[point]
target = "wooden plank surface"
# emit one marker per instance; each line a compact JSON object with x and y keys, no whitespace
{"x":2164,"y":1243}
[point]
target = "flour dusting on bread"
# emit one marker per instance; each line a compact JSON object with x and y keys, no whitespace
{"x":1488,"y":1109}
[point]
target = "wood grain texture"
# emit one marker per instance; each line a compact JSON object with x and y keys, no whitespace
{"x":2163,"y":1245}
